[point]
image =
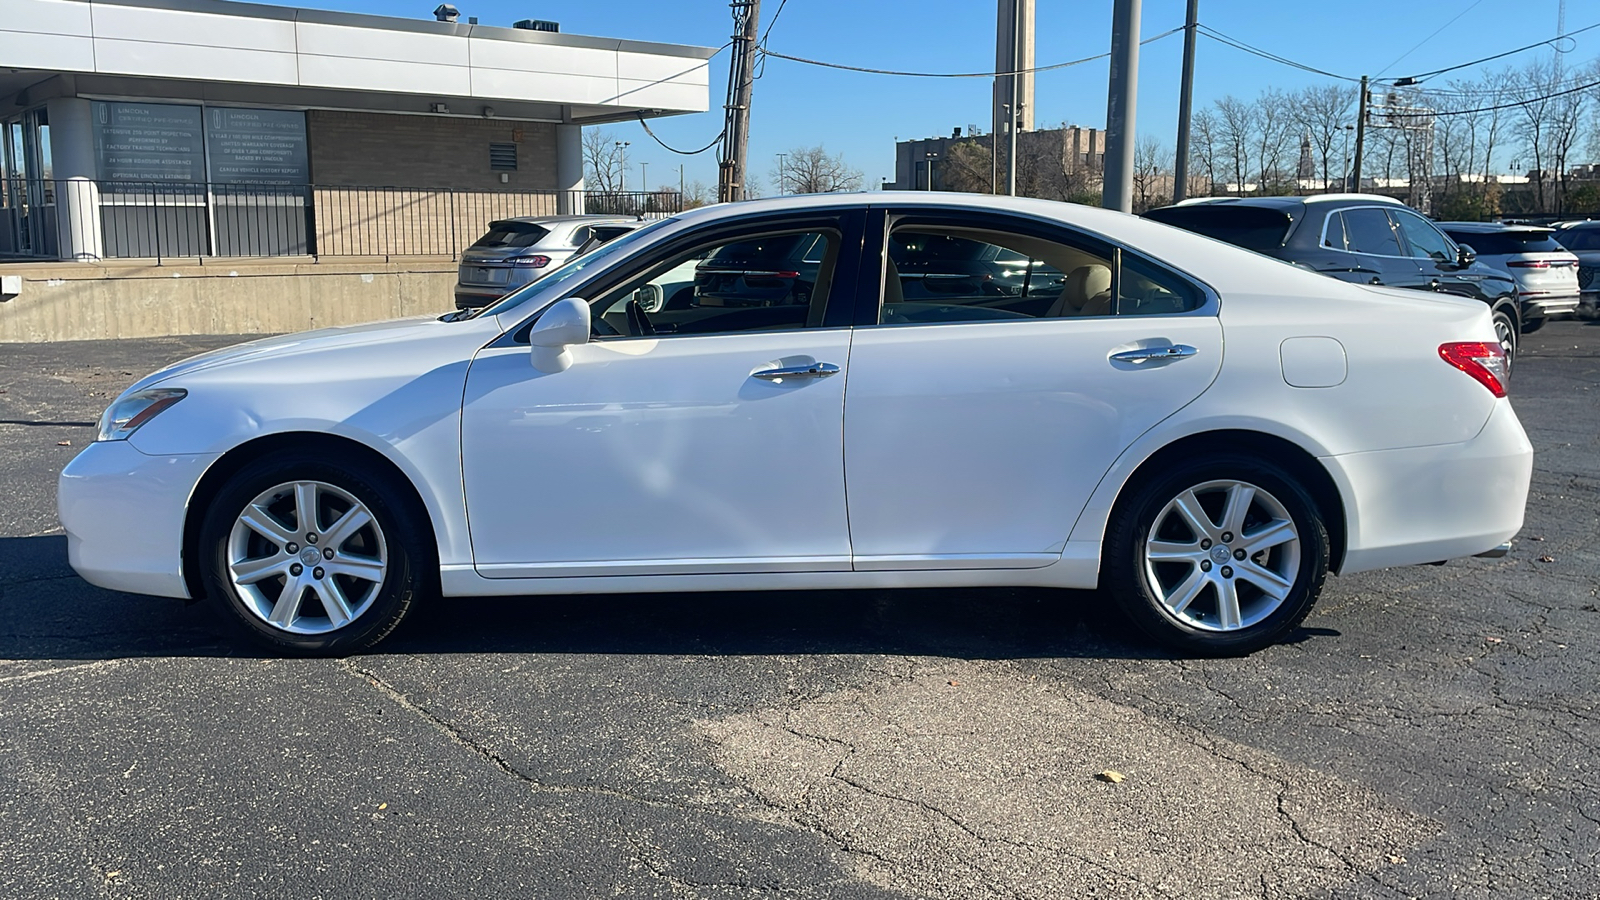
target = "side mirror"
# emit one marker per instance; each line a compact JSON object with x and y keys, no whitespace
{"x":1465,"y":255}
{"x":565,"y":323}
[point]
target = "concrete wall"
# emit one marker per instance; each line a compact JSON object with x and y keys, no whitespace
{"x":355,"y":148}
{"x":74,"y":301}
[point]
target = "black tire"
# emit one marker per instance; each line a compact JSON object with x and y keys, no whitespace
{"x":1507,"y":331}
{"x":398,"y":540}
{"x":1257,"y":618}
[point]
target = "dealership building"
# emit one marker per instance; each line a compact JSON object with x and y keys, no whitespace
{"x":205,"y":134}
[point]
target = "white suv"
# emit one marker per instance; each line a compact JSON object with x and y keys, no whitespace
{"x":1545,"y":272}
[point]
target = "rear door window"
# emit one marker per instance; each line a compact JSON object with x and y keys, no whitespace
{"x":1368,"y":230}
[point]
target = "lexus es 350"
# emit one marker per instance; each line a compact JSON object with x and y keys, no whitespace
{"x":1202,"y":431}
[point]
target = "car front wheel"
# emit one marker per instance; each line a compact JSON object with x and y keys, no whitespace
{"x":312,"y":555}
{"x":1220,"y":556}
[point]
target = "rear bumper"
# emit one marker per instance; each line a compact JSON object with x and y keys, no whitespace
{"x":1542,"y":306}
{"x":1426,"y":504}
{"x":472,"y":296}
{"x":124,"y":514}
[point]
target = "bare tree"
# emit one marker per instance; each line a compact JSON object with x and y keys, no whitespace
{"x":697,"y":193}
{"x":1274,"y":134}
{"x":1203,"y":143}
{"x":1321,"y":112}
{"x":967,"y":166}
{"x":811,"y":170}
{"x":1236,"y":126}
{"x":1152,"y":180}
{"x":602,"y":160}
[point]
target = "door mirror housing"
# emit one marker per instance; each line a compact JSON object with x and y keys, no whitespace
{"x":565,"y":323}
{"x":1465,"y":256}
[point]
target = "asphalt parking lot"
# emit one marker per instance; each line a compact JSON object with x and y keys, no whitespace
{"x":1430,"y":732}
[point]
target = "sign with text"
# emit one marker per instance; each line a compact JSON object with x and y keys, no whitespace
{"x":149,"y":142}
{"x":257,"y":146}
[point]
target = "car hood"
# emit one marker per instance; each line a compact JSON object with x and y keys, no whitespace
{"x":291,"y":344}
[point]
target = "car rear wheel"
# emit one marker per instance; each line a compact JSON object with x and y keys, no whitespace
{"x":1221,"y":556}
{"x":310,"y":555}
{"x":1505,"y":330}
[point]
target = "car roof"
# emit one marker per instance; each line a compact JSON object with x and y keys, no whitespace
{"x":1585,"y":225}
{"x":1492,"y":227}
{"x":565,"y":220}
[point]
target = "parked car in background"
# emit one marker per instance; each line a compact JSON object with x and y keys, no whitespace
{"x":1583,"y":239}
{"x":1361,"y":238}
{"x":566,"y":441}
{"x":519,"y":251}
{"x":1545,"y":272}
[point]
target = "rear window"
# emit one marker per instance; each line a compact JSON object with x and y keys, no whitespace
{"x":1576,"y":239}
{"x":1498,"y":243}
{"x":1250,"y":227}
{"x":511,"y":234}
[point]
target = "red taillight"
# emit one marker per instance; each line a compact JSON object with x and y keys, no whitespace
{"x":1484,"y":361}
{"x":532,"y":262}
{"x":1540,"y":263}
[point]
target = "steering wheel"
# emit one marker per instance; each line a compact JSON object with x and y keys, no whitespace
{"x":638,"y":322}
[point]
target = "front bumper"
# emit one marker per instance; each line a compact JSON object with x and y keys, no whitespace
{"x":124,"y":514}
{"x":1426,"y":504}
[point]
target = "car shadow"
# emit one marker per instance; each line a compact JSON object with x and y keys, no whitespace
{"x":48,"y":613}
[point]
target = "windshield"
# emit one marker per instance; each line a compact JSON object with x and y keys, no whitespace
{"x":558,"y":278}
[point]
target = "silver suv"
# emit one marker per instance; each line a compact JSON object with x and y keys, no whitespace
{"x":520,"y":251}
{"x":1546,"y":273}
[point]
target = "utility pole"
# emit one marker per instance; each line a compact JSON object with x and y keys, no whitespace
{"x":1180,"y":167}
{"x":781,"y":182}
{"x":1121,"y":100}
{"x":736,"y":142}
{"x":1014,"y":115}
{"x":1361,"y":135}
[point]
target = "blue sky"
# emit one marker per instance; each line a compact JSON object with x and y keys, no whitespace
{"x":860,"y":115}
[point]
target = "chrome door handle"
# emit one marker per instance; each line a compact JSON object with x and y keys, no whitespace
{"x":1173,"y":351}
{"x":815,"y":370}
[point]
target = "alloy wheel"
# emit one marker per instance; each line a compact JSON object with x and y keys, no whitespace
{"x":1222,"y":556}
{"x":306,"y":557}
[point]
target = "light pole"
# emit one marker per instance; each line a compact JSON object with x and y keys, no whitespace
{"x":781,"y":158}
{"x":1347,"y":129}
{"x":622,"y":179}
{"x":644,"y":177}
{"x":930,"y":156}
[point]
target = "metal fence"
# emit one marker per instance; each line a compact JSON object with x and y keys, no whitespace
{"x":87,"y":219}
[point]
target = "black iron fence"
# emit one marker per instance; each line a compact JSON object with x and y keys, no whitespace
{"x":87,"y":219}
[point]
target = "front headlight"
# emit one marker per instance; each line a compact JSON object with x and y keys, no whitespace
{"x":128,"y":414}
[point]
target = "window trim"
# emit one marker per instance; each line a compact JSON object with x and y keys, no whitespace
{"x":843,"y":299}
{"x":869,"y":308}
{"x":1394,"y":225}
{"x":1401,"y":230}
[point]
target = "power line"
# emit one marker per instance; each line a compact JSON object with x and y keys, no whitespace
{"x":1525,"y":101}
{"x":1550,"y":42}
{"x":1237,"y":44}
{"x":668,"y":146}
{"x":871,"y":71}
{"x":1430,"y":37}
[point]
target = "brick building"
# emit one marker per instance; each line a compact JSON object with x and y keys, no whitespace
{"x":1070,"y":152}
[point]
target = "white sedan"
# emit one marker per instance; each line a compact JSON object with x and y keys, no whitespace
{"x":1202,"y":431}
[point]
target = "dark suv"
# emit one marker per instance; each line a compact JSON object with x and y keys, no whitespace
{"x":1355,"y":237}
